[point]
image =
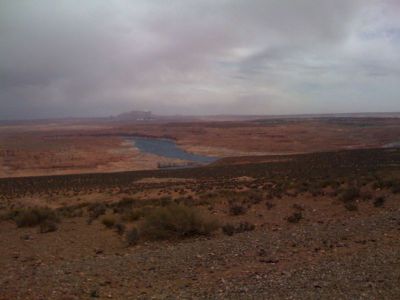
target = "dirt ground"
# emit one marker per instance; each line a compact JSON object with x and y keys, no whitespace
{"x":355,"y":256}
{"x":342,"y":245}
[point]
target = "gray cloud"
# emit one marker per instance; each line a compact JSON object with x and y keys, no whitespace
{"x":75,"y":58}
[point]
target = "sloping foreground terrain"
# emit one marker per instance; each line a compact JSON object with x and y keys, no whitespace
{"x":324,"y":226}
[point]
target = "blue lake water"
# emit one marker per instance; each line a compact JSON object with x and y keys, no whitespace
{"x":168,"y":148}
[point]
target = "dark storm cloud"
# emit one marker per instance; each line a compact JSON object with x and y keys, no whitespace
{"x":87,"y":58}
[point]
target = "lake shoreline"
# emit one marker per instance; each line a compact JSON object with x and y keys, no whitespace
{"x":167,"y":148}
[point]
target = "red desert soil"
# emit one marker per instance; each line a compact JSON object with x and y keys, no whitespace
{"x":331,"y":253}
{"x":33,"y":154}
{"x":321,"y":225}
{"x":67,"y":148}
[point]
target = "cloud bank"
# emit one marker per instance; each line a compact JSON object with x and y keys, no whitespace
{"x":100,"y":57}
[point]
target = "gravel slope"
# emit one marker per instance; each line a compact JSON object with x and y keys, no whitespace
{"x":356,"y":259}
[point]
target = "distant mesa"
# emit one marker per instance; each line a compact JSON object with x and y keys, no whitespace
{"x":136,"y":115}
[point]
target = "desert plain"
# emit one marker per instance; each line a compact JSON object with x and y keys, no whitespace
{"x":292,"y":208}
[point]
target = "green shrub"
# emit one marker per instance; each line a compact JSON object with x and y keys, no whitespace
{"x":315,"y":191}
{"x":132,"y":215}
{"x":70,"y":211}
{"x":126,"y":202}
{"x":108,"y":221}
{"x":31,"y":217}
{"x":245,"y":226}
{"x":295,"y":217}
{"x":177,"y":221}
{"x":392,"y":184}
{"x":350,"y":194}
{"x":237,"y":210}
{"x":132,"y":236}
{"x":269,"y":205}
{"x":255,"y":197}
{"x":166,"y":200}
{"x":366,"y":196}
{"x":9,"y":215}
{"x":379,"y":201}
{"x":48,"y":226}
{"x":228,"y":229}
{"x":396,"y":188}
{"x":351,"y":206}
{"x":96,"y":210}
{"x":123,"y":205}
{"x":298,"y":207}
{"x":119,"y":228}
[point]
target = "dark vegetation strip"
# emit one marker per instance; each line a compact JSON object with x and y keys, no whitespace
{"x":306,"y":166}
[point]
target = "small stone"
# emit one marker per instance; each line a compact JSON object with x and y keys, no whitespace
{"x":269,"y":261}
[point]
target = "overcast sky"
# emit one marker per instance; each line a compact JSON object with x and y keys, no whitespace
{"x":102,"y":57}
